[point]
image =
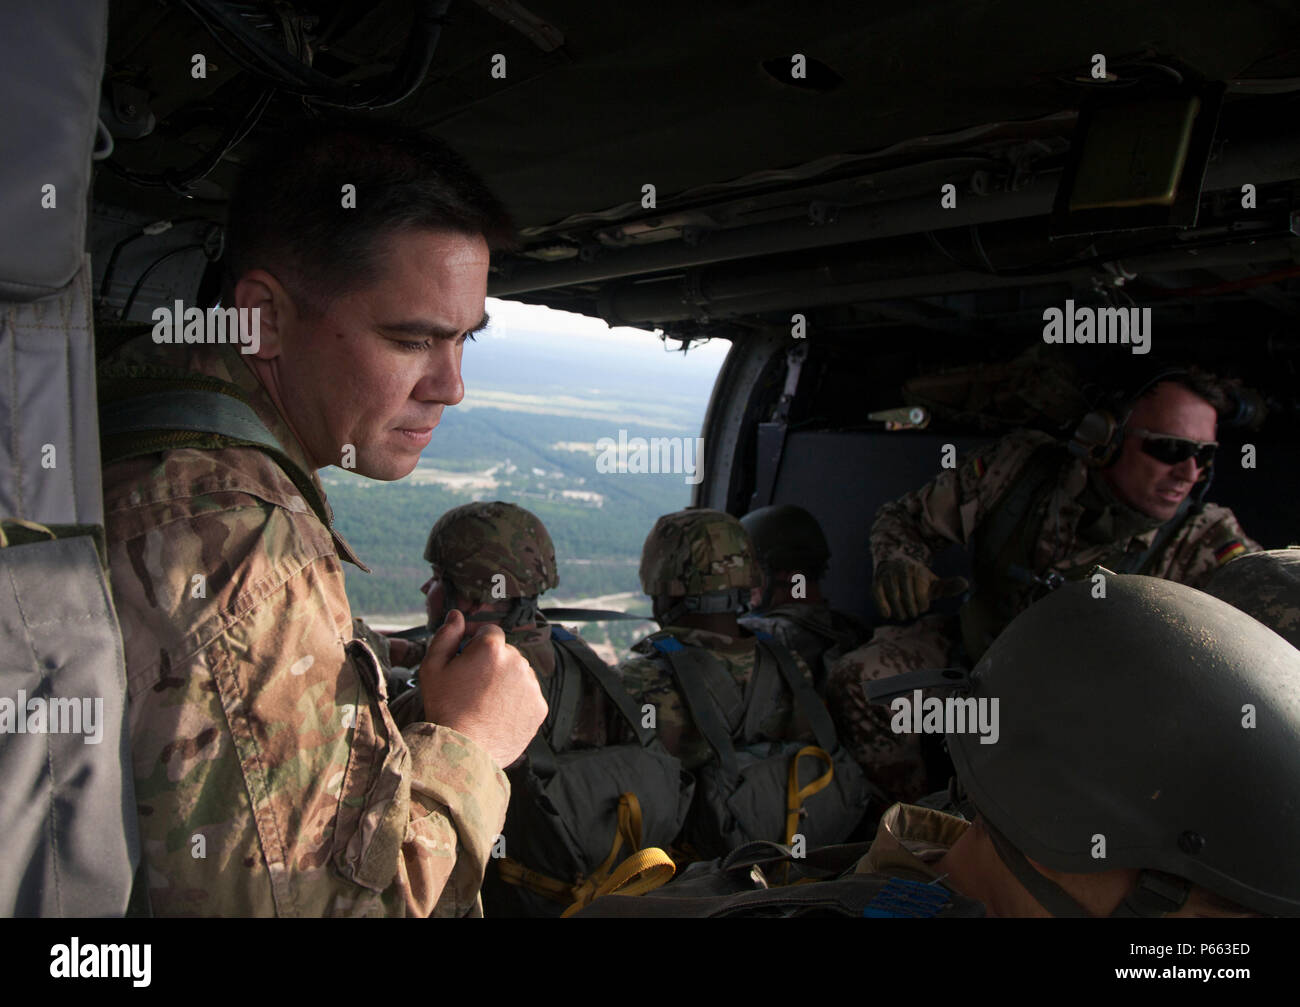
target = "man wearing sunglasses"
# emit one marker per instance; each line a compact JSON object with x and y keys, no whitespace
{"x":1033,"y":513}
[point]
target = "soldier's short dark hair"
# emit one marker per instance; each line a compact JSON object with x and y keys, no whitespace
{"x":1199,"y":382}
{"x":287,"y":212}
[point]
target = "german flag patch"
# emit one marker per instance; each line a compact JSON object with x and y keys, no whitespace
{"x":1229,"y":550}
{"x":979,"y":468}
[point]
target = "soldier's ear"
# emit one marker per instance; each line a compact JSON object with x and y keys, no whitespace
{"x":258,"y":291}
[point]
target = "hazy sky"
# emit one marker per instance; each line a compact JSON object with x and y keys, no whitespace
{"x":560,"y":352}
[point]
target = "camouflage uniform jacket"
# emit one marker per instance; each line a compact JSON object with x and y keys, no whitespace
{"x":649,"y":681}
{"x":951,"y":507}
{"x":269,"y":774}
{"x":811,"y":630}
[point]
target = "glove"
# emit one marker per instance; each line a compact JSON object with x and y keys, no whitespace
{"x":904,"y":588}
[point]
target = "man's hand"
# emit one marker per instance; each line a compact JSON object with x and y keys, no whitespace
{"x":903,"y":588}
{"x":488,"y":692}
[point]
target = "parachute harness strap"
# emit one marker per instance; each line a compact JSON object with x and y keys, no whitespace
{"x":795,"y":796}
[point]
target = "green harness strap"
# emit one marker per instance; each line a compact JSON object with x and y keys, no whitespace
{"x":146,"y":410}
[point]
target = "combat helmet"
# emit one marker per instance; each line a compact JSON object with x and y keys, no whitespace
{"x":477,"y":547}
{"x":1156,"y":719}
{"x":702,"y":556}
{"x":1266,"y":586}
{"x":786,"y":537}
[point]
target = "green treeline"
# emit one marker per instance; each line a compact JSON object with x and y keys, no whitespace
{"x":598,"y":547}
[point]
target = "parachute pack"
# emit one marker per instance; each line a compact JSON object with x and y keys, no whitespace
{"x":762,"y":790}
{"x":585,"y":822}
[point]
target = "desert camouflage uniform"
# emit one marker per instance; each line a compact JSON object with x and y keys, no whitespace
{"x":950,"y":509}
{"x":255,"y":723}
{"x":1266,"y":586}
{"x":650,"y":682}
{"x":811,"y":629}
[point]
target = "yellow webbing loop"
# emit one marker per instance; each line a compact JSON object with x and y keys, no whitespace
{"x":643,"y":871}
{"x":628,"y":831}
{"x":795,"y":796}
{"x":29,"y":525}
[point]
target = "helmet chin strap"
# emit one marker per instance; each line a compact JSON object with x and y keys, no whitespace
{"x":1155,"y":893}
{"x":521,"y":612}
{"x":733,"y":600}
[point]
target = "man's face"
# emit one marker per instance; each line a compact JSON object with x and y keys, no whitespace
{"x":435,"y":600}
{"x":377,"y":367}
{"x":1143,"y":482}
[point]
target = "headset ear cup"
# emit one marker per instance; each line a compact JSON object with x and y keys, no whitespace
{"x":1097,"y":438}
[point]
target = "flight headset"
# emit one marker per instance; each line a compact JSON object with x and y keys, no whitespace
{"x":1100,"y":434}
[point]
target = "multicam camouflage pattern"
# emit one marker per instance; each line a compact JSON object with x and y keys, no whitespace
{"x":811,"y":629}
{"x":474,"y":543}
{"x":696,"y":550}
{"x":949,"y":510}
{"x":650,"y":682}
{"x":1266,"y":586}
{"x":269,"y":773}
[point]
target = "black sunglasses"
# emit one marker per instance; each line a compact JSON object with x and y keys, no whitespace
{"x":1175,"y":450}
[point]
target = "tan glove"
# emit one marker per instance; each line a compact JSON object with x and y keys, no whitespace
{"x":904,"y":588}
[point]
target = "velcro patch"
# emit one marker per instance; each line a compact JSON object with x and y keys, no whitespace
{"x":901,"y":899}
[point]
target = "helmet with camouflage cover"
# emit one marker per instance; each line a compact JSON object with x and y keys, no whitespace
{"x":476,"y":542}
{"x":787,"y":537}
{"x":1157,"y":717}
{"x":1266,"y":586}
{"x":696,"y":552}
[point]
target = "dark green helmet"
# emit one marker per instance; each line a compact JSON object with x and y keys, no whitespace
{"x":1157,"y":717}
{"x":1265,"y":585}
{"x":787,"y":537}
{"x":475,"y":543}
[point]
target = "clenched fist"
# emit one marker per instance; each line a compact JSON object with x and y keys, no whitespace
{"x":903,"y":588}
{"x":488,"y":692}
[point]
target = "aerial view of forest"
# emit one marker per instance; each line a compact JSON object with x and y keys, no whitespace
{"x":534,"y":443}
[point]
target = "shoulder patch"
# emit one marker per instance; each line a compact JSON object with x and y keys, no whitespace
{"x":1229,"y":550}
{"x":980,"y":468}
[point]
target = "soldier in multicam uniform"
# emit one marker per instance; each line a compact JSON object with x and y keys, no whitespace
{"x":1032,"y":512}
{"x":269,"y":773}
{"x":792,"y":552}
{"x":1053,"y":830}
{"x":698,"y":568}
{"x":491,"y":561}
{"x":1266,"y":586}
